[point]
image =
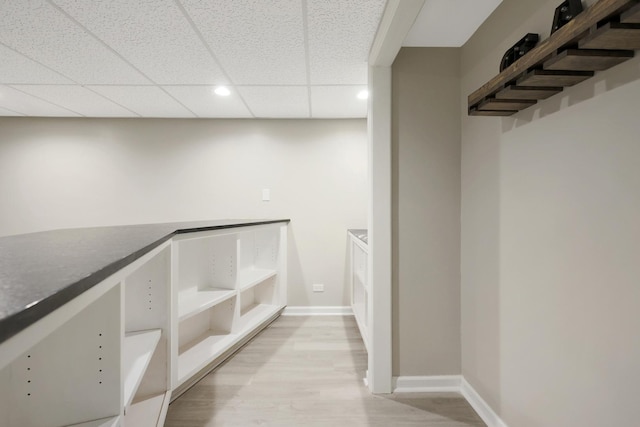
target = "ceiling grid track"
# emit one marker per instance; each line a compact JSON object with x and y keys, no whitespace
{"x":37,"y":62}
{"x":99,"y":40}
{"x":305,"y":27}
{"x":13,"y":111}
{"x":163,"y":58}
{"x":45,"y":100}
{"x":210,"y":50}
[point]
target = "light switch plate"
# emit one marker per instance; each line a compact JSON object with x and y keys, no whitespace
{"x":266,"y":195}
{"x":318,"y":287}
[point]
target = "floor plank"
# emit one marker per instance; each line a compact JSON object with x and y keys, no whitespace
{"x":307,"y":371}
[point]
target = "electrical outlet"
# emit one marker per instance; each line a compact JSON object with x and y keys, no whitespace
{"x":318,"y":287}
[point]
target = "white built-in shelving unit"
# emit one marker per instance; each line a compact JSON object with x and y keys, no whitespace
{"x":226,"y":284}
{"x":359,"y":285}
{"x":115,"y":355}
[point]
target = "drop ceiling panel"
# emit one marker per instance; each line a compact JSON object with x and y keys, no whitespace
{"x":433,"y":28}
{"x":17,"y":68}
{"x":337,"y":102}
{"x":160,"y":58}
{"x":29,"y":105}
{"x":154,"y":36}
{"x":200,"y":100}
{"x":257,"y":42}
{"x":78,"y":99}
{"x":147,"y":101}
{"x":277,"y":101}
{"x":39,"y":31}
{"x":340,"y":36}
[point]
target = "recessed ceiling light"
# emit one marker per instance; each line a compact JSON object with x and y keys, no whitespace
{"x":222,"y":91}
{"x":363,"y":94}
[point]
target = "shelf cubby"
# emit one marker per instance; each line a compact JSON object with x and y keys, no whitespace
{"x":204,"y":337}
{"x":208,"y":262}
{"x":604,"y":35}
{"x":137,"y":352}
{"x":253,"y":298}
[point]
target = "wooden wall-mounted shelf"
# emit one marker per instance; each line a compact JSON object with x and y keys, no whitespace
{"x":604,"y":35}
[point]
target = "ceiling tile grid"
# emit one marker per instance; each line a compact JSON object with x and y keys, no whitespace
{"x":325,"y":98}
{"x":200,"y":100}
{"x":340,"y":37}
{"x":152,"y":35}
{"x":162,"y":58}
{"x":39,"y":31}
{"x":256,"y":41}
{"x":78,"y":99}
{"x":29,"y":105}
{"x":430,"y":29}
{"x":18,"y":69}
{"x":277,"y":101}
{"x":146,"y":101}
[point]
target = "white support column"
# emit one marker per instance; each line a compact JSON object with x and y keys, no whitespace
{"x":379,"y":265}
{"x":397,"y":20}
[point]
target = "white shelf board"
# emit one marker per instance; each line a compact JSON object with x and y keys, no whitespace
{"x":192,"y":303}
{"x":103,"y":422}
{"x":255,"y":315}
{"x":254,"y":276}
{"x":201,"y":352}
{"x":147,"y":412}
{"x":137,"y":352}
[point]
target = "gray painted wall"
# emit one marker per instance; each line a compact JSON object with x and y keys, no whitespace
{"x":550,"y":257}
{"x":57,"y":173}
{"x":426,"y":212}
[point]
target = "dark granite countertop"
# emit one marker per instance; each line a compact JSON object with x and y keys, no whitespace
{"x":40,"y":272}
{"x":362,"y":234}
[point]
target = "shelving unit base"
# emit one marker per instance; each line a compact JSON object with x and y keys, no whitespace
{"x":236,"y":341}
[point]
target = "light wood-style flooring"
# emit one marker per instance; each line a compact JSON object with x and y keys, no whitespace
{"x":307,"y":372}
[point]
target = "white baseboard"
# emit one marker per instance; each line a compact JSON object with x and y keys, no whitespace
{"x":449,"y":383}
{"x":317,"y":311}
{"x":490,"y":418}
{"x":436,"y":383}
